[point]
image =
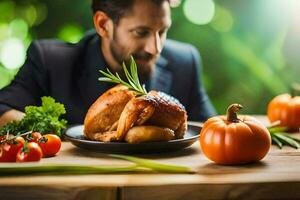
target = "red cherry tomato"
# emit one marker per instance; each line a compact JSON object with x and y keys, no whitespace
{"x":34,"y":137}
{"x":50,"y":144}
{"x":32,"y":152}
{"x":10,"y":149}
{"x":15,"y":146}
{"x":4,"y":148}
{"x":4,"y":153}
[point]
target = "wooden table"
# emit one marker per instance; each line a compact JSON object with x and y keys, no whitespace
{"x":277,"y":176}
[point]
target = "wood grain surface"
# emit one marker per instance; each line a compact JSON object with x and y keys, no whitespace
{"x":275,"y":177}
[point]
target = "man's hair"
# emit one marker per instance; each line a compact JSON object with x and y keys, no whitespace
{"x":116,"y":9}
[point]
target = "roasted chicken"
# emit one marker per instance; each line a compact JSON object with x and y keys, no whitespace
{"x":120,"y":115}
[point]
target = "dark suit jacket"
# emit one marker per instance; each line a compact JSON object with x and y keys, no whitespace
{"x":69,"y":73}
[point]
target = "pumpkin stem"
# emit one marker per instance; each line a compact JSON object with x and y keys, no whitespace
{"x":231,"y":112}
{"x":295,"y":88}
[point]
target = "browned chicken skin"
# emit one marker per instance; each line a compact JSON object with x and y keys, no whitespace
{"x":118,"y":115}
{"x":101,"y":120}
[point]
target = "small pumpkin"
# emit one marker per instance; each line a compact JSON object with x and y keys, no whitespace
{"x":229,"y":140}
{"x":285,"y":108}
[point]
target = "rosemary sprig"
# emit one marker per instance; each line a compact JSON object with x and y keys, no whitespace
{"x":132,"y":83}
{"x":280,"y":137}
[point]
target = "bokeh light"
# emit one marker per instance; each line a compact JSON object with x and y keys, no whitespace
{"x":30,"y":14}
{"x":4,"y":31}
{"x":7,"y":10}
{"x":42,"y":12}
{"x":71,"y":33}
{"x":251,"y":47}
{"x":18,"y":28}
{"x":12,"y":53}
{"x":223,"y":20}
{"x":175,"y":3}
{"x":199,"y":12}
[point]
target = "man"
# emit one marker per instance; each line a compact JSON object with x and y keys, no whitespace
{"x":69,"y":72}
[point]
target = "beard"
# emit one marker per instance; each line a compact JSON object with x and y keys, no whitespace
{"x":145,"y":67}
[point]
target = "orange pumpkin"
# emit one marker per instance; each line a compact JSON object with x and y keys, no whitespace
{"x":230,"y":140}
{"x":286,"y":109}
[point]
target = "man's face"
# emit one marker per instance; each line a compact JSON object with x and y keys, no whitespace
{"x":141,"y":33}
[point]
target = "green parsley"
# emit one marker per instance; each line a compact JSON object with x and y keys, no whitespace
{"x":44,"y":119}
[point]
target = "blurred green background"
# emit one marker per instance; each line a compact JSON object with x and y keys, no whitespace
{"x":250,"y":49}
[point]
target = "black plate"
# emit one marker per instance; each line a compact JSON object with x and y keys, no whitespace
{"x":75,"y":135}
